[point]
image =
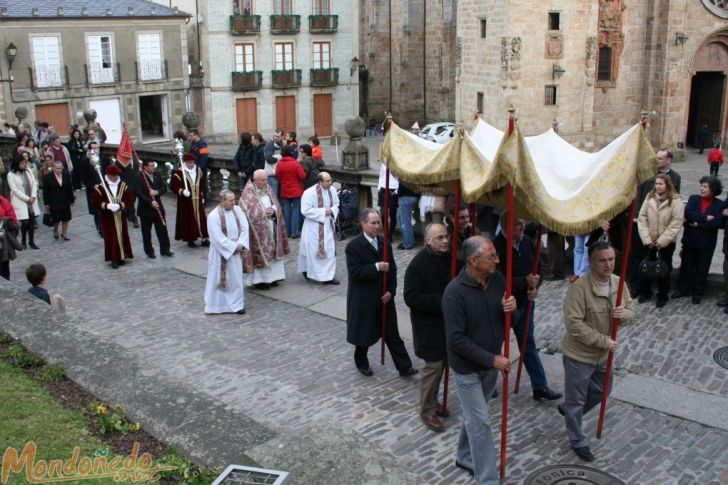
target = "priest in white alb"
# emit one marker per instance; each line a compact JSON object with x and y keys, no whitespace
{"x":228,"y":229}
{"x":317,"y":256}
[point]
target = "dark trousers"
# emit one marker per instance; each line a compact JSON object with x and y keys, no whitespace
{"x":5,"y":269}
{"x":393,"y":206}
{"x":76,"y":175}
{"x":160,"y":229}
{"x":396,"y":348}
{"x":27,"y":228}
{"x":663,"y":284}
{"x":131,"y":211}
{"x":531,"y":359}
{"x":694,"y":267}
{"x":714,"y":166}
{"x":556,"y":252}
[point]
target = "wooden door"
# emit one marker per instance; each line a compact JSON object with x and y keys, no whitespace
{"x":246,"y":110}
{"x":56,"y":115}
{"x":322,"y":123}
{"x":286,"y":113}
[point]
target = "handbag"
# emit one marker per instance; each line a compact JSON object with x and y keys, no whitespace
{"x":653,"y":268}
{"x":48,"y":219}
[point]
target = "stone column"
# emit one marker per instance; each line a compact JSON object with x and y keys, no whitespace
{"x":356,"y":155}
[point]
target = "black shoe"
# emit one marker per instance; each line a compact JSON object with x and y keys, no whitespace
{"x":723,"y":303}
{"x":56,"y":236}
{"x":644,"y":297}
{"x":560,"y":409}
{"x":262,"y":286}
{"x":547,"y":394}
{"x":115,"y":264}
{"x":151,"y":255}
{"x":332,"y":282}
{"x":274,"y":284}
{"x":466,"y":468}
{"x":408,"y":372}
{"x":401,"y":246}
{"x":661,"y":302}
{"x":584,"y":453}
{"x":191,"y":244}
{"x":168,"y":254}
{"x":135,"y":224}
{"x":678,"y":294}
{"x":305,"y":275}
{"x":495,"y":393}
{"x":33,"y":246}
{"x":205,"y":243}
{"x":367,"y":371}
{"x":697,"y":299}
{"x":122,"y":262}
{"x":241,"y":312}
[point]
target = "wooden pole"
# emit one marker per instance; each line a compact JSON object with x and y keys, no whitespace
{"x":509,"y":283}
{"x":620,"y":292}
{"x":529,"y":310}
{"x":453,"y":274}
{"x":385,"y":257}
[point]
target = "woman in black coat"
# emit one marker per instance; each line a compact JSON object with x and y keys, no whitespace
{"x":703,"y":218}
{"x":58,"y":197}
{"x":75,"y":149}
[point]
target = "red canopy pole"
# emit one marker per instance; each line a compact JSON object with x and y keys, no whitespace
{"x":620,"y":292}
{"x":509,"y":282}
{"x":473,"y":212}
{"x":385,"y":256}
{"x":453,"y":274}
{"x":529,"y":309}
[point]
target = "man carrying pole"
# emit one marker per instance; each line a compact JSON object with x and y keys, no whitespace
{"x":590,"y":306}
{"x":474,"y":306}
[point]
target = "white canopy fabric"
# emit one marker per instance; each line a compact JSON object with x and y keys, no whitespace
{"x":566,"y":189}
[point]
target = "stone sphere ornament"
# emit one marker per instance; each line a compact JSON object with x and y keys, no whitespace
{"x":191,"y":120}
{"x":355,"y":127}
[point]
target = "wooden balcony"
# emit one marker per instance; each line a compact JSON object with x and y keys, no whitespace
{"x":247,"y":81}
{"x":244,"y":24}
{"x":323,"y":24}
{"x":286,"y":79}
{"x":325,"y":77}
{"x":285,"y":24}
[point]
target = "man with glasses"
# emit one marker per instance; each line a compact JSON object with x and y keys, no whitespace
{"x":474,"y":306}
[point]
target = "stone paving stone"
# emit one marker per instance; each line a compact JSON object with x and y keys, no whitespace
{"x":285,"y":367}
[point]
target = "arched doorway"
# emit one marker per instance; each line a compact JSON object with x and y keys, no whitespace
{"x":709,"y":88}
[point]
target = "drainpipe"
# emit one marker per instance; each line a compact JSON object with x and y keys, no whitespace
{"x":424,"y":62}
{"x":390,"y":56}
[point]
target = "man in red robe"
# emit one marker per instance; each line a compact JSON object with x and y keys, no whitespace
{"x":189,"y":183}
{"x":111,"y":197}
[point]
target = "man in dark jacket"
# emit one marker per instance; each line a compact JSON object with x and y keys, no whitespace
{"x":149,"y":189}
{"x":364,"y":264}
{"x":424,"y":283}
{"x":474,"y":307}
{"x":525,"y":287}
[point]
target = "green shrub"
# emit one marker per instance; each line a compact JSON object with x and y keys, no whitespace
{"x":53,"y":373}
{"x":18,"y":356}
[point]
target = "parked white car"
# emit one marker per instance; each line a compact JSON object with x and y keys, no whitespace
{"x":438,"y":132}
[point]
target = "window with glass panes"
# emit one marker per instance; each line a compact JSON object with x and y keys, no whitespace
{"x":283,"y":7}
{"x":244,"y":57}
{"x":321,"y":55}
{"x":284,"y":56}
{"x":321,"y":7}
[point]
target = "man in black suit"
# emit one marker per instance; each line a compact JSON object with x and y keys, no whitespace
{"x":149,"y":188}
{"x":364,"y":264}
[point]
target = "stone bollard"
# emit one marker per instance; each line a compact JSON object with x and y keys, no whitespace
{"x":356,"y":155}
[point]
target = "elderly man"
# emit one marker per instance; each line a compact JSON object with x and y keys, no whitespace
{"x":425,"y":281}
{"x":589,"y":307}
{"x":268,"y":240}
{"x":111,"y":197}
{"x":474,"y":306}
{"x":525,"y":287}
{"x":228,"y":228}
{"x":190,"y":185}
{"x":317,"y":252}
{"x":364,"y":298}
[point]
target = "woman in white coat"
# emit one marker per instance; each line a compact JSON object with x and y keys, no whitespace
{"x":659,"y":223}
{"x":24,"y":198}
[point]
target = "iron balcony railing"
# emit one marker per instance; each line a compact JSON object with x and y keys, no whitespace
{"x":98,"y":74}
{"x":151,"y":70}
{"x":286,"y":79}
{"x":323,"y":24}
{"x":325,"y":77}
{"x":247,"y":81}
{"x":244,"y":24}
{"x":285,"y":24}
{"x":48,"y":77}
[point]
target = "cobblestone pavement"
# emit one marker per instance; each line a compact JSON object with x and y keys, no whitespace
{"x":286,"y":365}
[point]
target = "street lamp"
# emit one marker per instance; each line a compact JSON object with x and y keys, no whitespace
{"x":680,"y":38}
{"x":354,"y":65}
{"x":10,"y":52}
{"x":558,"y":71}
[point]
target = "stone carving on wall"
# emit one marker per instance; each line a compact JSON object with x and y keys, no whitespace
{"x":510,"y":61}
{"x":717,"y":7}
{"x":554,"y":46}
{"x":611,"y":23}
{"x":590,"y":59}
{"x":504,"y":57}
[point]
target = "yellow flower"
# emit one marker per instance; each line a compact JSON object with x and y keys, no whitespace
{"x":137,"y":427}
{"x":102,"y":409}
{"x":119,"y":407}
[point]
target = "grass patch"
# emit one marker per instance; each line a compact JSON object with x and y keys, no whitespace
{"x":28,"y":412}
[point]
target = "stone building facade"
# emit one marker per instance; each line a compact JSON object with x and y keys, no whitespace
{"x":127,"y":59}
{"x":407,"y":52}
{"x":276,"y":64}
{"x":594,"y":66}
